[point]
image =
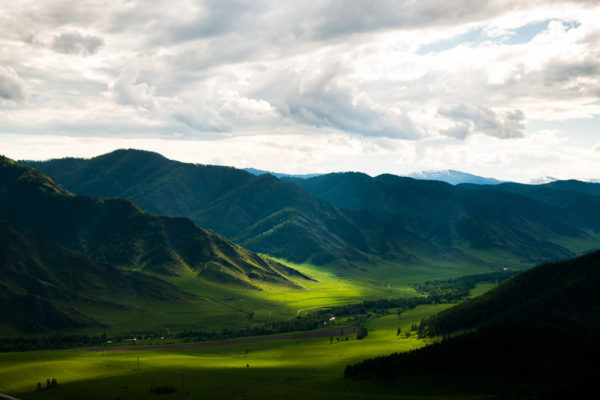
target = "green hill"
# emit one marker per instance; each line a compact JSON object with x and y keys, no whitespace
{"x":519,"y":224}
{"x":535,"y":336}
{"x":259,"y":212}
{"x":348,"y":218}
{"x":561,"y":295}
{"x":120,"y":233}
{"x":42,"y":284}
{"x":572,"y":200}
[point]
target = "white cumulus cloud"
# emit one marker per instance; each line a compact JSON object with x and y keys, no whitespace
{"x":471,"y":119}
{"x":12,"y":87}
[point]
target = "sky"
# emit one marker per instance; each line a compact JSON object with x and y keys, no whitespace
{"x":506,"y":89}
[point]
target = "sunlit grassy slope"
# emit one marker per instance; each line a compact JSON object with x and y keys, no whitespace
{"x":220,"y":306}
{"x":268,"y":370}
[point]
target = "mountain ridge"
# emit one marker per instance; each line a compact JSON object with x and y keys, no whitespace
{"x":120,"y":233}
{"x":347,"y":218}
{"x":453,"y":177}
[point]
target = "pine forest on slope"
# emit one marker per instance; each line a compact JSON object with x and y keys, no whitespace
{"x":535,"y":336}
{"x":349,"y":218}
{"x":120,"y":233}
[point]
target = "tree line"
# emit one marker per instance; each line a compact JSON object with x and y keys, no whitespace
{"x":433,"y":292}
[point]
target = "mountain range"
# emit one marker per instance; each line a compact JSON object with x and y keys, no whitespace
{"x":259,"y":172}
{"x":349,"y":218}
{"x":121,"y":233}
{"x":131,"y":241}
{"x":453,"y":177}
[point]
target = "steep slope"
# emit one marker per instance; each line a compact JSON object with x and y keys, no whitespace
{"x":560,"y":295}
{"x":482,"y":217}
{"x":41,"y":283}
{"x":535,"y":336}
{"x":259,"y":212}
{"x":120,"y":233}
{"x":345,"y":218}
{"x":572,"y":200}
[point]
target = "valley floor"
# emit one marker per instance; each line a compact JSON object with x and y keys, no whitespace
{"x":291,"y":369}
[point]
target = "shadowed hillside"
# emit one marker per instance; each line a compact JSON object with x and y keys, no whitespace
{"x":535,"y":336}
{"x":118,"y":232}
{"x":484,"y":217}
{"x":346,"y":218}
{"x":42,"y":281}
{"x":259,"y":212}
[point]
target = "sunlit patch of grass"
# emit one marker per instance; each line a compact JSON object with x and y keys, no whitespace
{"x":481,"y":288}
{"x":220,"y":306}
{"x":288,"y":368}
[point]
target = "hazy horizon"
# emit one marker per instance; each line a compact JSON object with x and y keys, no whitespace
{"x":412,"y":174}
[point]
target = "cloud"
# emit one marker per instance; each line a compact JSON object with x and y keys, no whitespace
{"x":126,"y":90}
{"x":202,"y":119}
{"x":338,"y":17}
{"x":326,"y":99}
{"x":76,"y":43}
{"x":235,"y":70}
{"x":471,"y":119}
{"x":195,"y":113}
{"x":339,"y":108}
{"x":597,"y":148}
{"x":12,"y":87}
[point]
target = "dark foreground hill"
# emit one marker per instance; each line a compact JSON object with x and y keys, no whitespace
{"x":345,"y":218}
{"x":41,"y":283}
{"x":119,"y":233}
{"x":535,"y":336}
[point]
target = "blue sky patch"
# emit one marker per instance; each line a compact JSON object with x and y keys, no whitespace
{"x":473,"y":36}
{"x":523,"y":34}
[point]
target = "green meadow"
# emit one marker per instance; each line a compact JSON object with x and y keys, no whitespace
{"x":293,"y":369}
{"x":220,"y":306}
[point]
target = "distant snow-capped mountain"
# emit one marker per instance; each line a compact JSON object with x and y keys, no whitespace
{"x":542,"y":180}
{"x":258,"y":172}
{"x":454,"y":177}
{"x":549,"y":179}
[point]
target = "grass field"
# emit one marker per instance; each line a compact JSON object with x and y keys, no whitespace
{"x":221,"y":306}
{"x":266,"y":370}
{"x":481,"y":288}
{"x":291,"y":369}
